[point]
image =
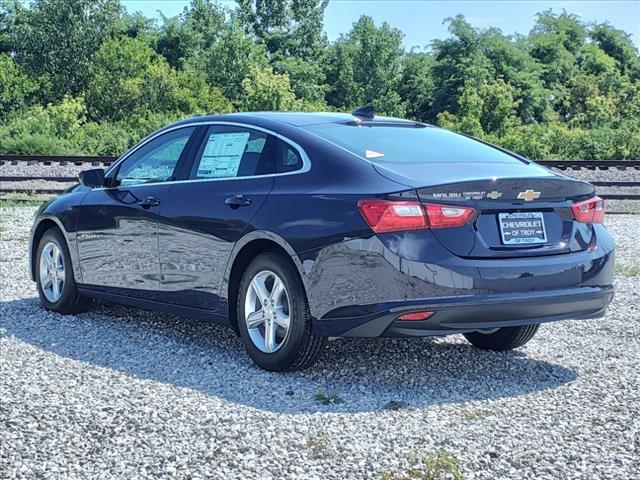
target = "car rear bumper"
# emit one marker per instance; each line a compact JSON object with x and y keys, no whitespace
{"x":360,"y":286}
{"x":470,"y":313}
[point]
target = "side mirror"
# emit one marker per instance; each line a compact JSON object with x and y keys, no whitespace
{"x":92,"y":178}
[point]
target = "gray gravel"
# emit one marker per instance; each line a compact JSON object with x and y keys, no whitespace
{"x":119,"y":393}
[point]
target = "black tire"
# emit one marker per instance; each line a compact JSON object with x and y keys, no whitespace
{"x":506,"y":338}
{"x":70,"y":301}
{"x":301,"y":346}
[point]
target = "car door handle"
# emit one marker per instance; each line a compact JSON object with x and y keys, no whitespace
{"x":149,"y":202}
{"x":236,"y":201}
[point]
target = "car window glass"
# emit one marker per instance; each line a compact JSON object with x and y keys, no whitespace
{"x":155,"y":161}
{"x":228,"y":152}
{"x":386,"y":143}
{"x":290,"y":161}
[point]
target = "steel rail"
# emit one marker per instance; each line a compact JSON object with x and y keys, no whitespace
{"x":48,"y":160}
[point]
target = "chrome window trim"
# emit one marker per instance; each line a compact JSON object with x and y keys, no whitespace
{"x":306,"y":162}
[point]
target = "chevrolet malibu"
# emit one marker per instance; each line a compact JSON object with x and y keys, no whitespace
{"x":292,"y":228}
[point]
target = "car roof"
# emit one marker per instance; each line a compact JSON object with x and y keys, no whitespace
{"x":298,"y":119}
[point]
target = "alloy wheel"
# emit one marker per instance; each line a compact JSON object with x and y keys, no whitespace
{"x":52,"y":272}
{"x":267,"y":311}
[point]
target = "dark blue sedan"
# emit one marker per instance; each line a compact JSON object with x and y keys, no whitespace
{"x":295,"y":227}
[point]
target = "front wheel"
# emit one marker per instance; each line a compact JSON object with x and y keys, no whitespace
{"x":273,"y":316}
{"x":54,"y":276}
{"x":506,"y":338}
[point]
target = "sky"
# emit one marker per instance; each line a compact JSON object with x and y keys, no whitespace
{"x":421,"y":20}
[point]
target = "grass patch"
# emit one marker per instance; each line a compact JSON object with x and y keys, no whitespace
{"x":437,"y":466}
{"x":318,"y":444}
{"x":325,"y":399}
{"x":632,"y":270}
{"x":395,"y":405}
{"x":16,"y":202}
{"x":470,"y":416}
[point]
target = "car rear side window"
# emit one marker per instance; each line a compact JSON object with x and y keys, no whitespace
{"x":413,"y":143}
{"x":228,"y":152}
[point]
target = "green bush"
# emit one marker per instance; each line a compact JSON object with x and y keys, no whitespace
{"x":85,"y":77}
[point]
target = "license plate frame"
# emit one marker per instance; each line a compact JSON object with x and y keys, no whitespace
{"x":522,"y":233}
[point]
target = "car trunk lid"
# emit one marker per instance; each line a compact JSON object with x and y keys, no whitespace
{"x":521,"y":210}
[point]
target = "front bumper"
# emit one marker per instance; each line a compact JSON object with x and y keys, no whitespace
{"x":471,"y":313}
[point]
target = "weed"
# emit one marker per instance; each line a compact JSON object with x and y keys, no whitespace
{"x":325,"y":399}
{"x":470,"y":416}
{"x":437,"y":466}
{"x":395,"y":405}
{"x":632,"y":270}
{"x":318,"y":445}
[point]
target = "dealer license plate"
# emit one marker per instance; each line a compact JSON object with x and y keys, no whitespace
{"x":522,"y":228}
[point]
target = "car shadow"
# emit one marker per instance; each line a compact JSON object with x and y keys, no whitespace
{"x":352,"y":375}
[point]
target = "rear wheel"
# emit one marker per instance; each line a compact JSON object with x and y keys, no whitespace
{"x":506,"y":338}
{"x":273,"y":316}
{"x":54,"y":275}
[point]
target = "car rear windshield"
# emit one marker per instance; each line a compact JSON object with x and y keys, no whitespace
{"x":414,"y":143}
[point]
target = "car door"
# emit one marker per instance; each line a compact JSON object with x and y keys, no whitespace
{"x":204,"y":215}
{"x":118,"y":225}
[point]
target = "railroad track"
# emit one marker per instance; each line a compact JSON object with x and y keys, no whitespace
{"x":106,"y":161}
{"x":58,"y":183}
{"x":55,"y":160}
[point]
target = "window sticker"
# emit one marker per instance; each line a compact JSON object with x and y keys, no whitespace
{"x":373,"y":154}
{"x":222,"y":155}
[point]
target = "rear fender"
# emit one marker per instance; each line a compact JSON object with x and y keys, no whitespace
{"x":272,"y":237}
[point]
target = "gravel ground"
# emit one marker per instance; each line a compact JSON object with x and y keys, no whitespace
{"x":119,"y":393}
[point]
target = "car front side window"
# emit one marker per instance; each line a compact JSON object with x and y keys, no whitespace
{"x":155,"y":161}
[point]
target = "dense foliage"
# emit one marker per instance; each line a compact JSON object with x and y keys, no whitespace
{"x":87,"y":77}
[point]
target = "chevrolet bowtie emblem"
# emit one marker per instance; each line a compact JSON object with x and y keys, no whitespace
{"x":494,"y":195}
{"x":528,"y":195}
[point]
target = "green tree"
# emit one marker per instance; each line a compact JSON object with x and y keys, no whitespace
{"x":286,"y":27}
{"x":619,"y":46}
{"x":129,"y":77}
{"x":16,"y":88}
{"x":265,"y":90}
{"x":458,"y":59}
{"x":8,"y":10}
{"x":416,"y":87}
{"x":490,"y":109}
{"x":192,"y":32}
{"x":365,"y":67}
{"x":556,"y":41}
{"x":57,"y":39}
{"x":228,"y":61}
{"x":85,"y":76}
{"x":291,"y":32}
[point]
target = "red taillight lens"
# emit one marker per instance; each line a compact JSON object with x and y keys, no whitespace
{"x":393,"y":216}
{"x":390,"y":216}
{"x":447,"y":216}
{"x":589,"y":211}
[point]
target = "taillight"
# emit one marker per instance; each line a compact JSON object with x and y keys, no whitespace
{"x":589,"y":211}
{"x":387,"y":216}
{"x":447,"y":216}
{"x":393,"y":216}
